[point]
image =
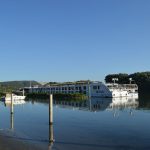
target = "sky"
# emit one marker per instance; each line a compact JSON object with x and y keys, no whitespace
{"x":69,"y":40}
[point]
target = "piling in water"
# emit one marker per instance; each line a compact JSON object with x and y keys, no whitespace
{"x":12,"y":104}
{"x":51,"y":110}
{"x":12,"y":113}
{"x":51,"y":136}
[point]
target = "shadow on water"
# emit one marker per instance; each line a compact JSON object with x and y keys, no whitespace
{"x":50,"y":146}
{"x":144,"y":101}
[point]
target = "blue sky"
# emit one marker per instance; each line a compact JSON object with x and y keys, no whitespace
{"x":61,"y":40}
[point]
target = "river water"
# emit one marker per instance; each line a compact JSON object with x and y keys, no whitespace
{"x":96,"y":124}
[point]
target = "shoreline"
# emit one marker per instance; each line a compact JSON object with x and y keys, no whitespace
{"x":8,"y":142}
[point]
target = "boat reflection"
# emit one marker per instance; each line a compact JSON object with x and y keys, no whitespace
{"x":99,"y":104}
{"x":15,"y":102}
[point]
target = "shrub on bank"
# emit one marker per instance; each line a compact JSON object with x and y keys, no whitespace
{"x":57,"y":96}
{"x":2,"y":94}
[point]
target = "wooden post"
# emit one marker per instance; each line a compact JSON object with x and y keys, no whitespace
{"x":12,"y":113}
{"x":12,"y":104}
{"x":51,"y":136}
{"x":51,"y":110}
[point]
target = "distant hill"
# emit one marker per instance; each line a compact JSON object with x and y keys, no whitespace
{"x":14,"y":85}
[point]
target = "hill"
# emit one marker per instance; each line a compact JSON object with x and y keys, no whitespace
{"x":14,"y":85}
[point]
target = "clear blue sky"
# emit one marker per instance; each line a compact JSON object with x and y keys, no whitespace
{"x":61,"y":40}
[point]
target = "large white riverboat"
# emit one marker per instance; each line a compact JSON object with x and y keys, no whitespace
{"x":90,"y":88}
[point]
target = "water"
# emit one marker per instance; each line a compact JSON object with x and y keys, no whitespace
{"x":107,"y":124}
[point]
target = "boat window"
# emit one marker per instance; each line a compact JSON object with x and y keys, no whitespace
{"x":94,"y":87}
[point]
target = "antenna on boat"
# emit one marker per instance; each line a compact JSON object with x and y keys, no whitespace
{"x":23,"y":92}
{"x":114,"y":79}
{"x":30,"y":84}
{"x":130,"y":79}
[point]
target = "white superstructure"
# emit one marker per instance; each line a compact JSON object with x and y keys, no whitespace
{"x":90,"y":88}
{"x":123,"y":90}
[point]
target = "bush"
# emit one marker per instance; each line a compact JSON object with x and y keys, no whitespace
{"x":57,"y":96}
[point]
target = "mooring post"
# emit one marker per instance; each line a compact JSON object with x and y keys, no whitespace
{"x":12,"y":113}
{"x":12,"y":104}
{"x":51,"y":136}
{"x":51,"y":110}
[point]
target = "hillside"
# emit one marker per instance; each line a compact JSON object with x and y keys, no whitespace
{"x":14,"y":85}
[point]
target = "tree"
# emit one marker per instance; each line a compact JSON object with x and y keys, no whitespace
{"x":122,"y":78}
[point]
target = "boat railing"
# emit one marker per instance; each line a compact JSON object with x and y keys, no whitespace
{"x":122,"y":86}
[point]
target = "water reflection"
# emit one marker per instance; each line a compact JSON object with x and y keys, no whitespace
{"x":81,"y":129}
{"x":51,"y":136}
{"x":12,"y":121}
{"x":15,"y":102}
{"x":10,"y":105}
{"x":99,"y":104}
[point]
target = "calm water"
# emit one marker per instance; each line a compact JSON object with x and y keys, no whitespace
{"x":106,"y":124}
